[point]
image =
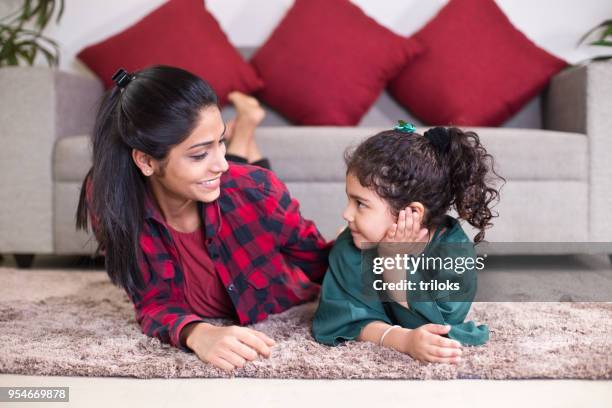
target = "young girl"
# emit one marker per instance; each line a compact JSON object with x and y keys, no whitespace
{"x":400,"y":185}
{"x":186,"y":234}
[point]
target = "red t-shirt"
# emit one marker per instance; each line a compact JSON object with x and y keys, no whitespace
{"x":204,"y":290}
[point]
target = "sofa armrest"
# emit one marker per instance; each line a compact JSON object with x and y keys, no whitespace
{"x":39,"y":105}
{"x":579,"y":100}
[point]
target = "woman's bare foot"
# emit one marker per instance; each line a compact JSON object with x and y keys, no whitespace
{"x":241,"y":130}
{"x":229,"y":130}
{"x":248,"y":109}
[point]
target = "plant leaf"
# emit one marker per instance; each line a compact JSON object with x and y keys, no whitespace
{"x":26,"y":56}
{"x":602,"y":43}
{"x":607,"y":32}
{"x":21,"y":43}
{"x":27,"y":7}
{"x":52,"y":59}
{"x":591,"y":31}
{"x":60,"y":13}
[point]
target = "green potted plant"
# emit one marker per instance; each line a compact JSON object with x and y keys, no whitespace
{"x":21,"y":37}
{"x":604,"y":38}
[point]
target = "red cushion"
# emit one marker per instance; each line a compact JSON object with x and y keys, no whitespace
{"x":477,"y":68}
{"x":180,"y":33}
{"x":327,"y":62}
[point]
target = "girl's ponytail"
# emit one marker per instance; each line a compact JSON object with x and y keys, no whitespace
{"x":471,"y":175}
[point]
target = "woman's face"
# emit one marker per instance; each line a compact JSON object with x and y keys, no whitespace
{"x":193,"y":168}
{"x":367,"y":214}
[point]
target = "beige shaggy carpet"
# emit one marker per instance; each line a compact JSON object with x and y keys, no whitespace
{"x":75,"y":323}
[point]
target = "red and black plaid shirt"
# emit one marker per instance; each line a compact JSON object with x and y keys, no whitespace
{"x":268,"y":257}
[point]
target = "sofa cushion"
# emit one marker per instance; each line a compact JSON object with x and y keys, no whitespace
{"x":542,"y":167}
{"x":180,"y":33}
{"x":386,"y":110}
{"x":541,"y":205}
{"x":520,"y":154}
{"x":327,"y":62}
{"x":477,"y":68}
{"x":71,"y":158}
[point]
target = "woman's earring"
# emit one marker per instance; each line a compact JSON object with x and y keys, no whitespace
{"x":147,"y":172}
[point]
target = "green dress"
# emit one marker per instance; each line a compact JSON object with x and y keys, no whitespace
{"x":348,"y":302}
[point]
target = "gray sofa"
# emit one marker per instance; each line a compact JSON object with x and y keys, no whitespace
{"x":555,"y":155}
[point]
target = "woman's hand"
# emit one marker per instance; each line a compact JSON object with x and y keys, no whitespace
{"x":425,"y":343}
{"x":228,"y":347}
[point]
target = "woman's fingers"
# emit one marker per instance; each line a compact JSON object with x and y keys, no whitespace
{"x":243,"y":350}
{"x":222,"y":364}
{"x":232,"y":358}
{"x":242,"y":345}
{"x":268,"y":340}
{"x":254,"y":342}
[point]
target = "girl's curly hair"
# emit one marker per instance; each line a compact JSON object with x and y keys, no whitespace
{"x":407,"y":167}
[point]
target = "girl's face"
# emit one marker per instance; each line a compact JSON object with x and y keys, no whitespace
{"x":367,"y":214}
{"x":193,"y":168}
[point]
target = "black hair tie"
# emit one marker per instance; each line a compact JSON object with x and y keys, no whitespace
{"x":122,"y":78}
{"x":439,"y":137}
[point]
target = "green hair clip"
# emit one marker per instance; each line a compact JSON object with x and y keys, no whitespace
{"x":403,"y":126}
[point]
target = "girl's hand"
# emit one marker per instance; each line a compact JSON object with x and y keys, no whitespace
{"x":407,"y":230}
{"x":425,"y":343}
{"x":228,"y":347}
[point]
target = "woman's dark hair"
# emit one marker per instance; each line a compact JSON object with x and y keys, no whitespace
{"x":448,"y":168}
{"x":156,"y":110}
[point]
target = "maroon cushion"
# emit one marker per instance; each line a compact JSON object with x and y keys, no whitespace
{"x":180,"y":33}
{"x":477,"y":68}
{"x":327,"y":62}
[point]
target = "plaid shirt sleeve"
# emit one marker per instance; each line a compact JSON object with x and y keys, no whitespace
{"x":300,"y":240}
{"x":160,"y":307}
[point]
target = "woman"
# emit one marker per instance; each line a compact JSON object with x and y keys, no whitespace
{"x":186,"y":234}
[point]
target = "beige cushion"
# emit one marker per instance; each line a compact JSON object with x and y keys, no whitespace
{"x":315,"y":153}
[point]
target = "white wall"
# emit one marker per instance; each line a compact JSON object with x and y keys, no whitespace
{"x":555,"y":25}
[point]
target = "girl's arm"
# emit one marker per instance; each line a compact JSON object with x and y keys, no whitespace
{"x":424,"y":343}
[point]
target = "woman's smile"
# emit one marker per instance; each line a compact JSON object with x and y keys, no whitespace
{"x":210,"y":184}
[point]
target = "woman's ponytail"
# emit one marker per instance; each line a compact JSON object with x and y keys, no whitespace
{"x":117,"y":191}
{"x":151,"y":111}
